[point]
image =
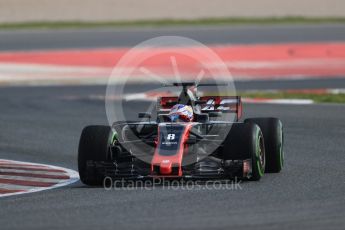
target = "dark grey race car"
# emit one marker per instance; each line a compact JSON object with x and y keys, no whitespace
{"x":209,"y":147}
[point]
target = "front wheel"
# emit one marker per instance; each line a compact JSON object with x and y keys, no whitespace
{"x":93,"y":146}
{"x":246,"y":141}
{"x":272,"y":129}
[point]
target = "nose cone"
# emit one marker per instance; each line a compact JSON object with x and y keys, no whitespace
{"x":165,"y":167}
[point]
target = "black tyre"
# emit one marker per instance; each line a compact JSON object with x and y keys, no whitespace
{"x":93,"y":146}
{"x":246,"y":141}
{"x":272,"y":129}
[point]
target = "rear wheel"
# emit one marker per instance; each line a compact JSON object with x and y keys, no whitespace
{"x":245,"y":141}
{"x":272,"y":129}
{"x":93,"y":146}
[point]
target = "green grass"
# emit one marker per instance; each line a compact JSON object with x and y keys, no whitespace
{"x":171,"y":22}
{"x":318,"y":98}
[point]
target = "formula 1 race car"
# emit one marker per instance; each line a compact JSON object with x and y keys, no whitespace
{"x":209,"y":147}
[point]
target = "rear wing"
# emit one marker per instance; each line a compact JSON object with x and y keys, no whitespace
{"x":225,"y":104}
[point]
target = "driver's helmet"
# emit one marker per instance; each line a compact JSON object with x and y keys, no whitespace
{"x":180,"y":112}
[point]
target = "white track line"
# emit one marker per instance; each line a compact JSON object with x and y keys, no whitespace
{"x":278,"y":101}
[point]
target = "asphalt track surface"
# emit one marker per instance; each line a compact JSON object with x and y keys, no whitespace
{"x":43,"y":124}
{"x":96,"y":38}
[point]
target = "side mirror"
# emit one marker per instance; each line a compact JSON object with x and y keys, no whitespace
{"x":144,"y":115}
{"x":215,"y":114}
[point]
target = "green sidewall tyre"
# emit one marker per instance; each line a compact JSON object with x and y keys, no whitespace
{"x":258,"y":166}
{"x":242,"y":143}
{"x":272,"y":129}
